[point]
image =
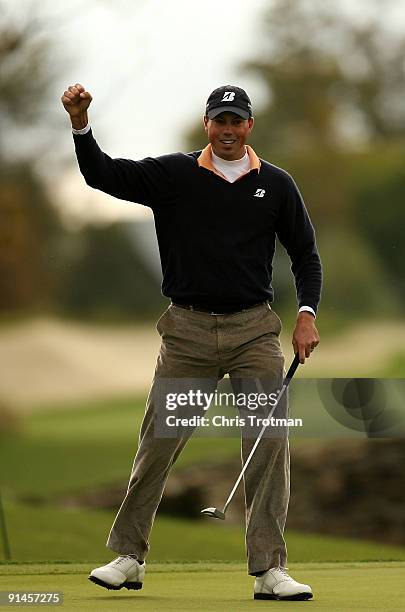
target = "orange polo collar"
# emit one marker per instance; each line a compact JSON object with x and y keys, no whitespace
{"x":205,"y":160}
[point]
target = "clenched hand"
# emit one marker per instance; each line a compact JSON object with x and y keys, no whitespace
{"x":76,"y":100}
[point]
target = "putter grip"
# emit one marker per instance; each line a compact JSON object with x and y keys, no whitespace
{"x":292,"y":370}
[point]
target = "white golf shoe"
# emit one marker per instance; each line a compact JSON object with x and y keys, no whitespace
{"x":276,"y":583}
{"x":124,"y":571}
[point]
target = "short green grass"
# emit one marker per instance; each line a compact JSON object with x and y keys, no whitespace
{"x":77,"y":447}
{"x":203,"y":587}
{"x":45,"y":533}
{"x":395,"y":367}
{"x":91,"y":445}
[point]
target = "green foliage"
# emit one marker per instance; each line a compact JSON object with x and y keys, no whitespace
{"x":30,"y":70}
{"x":30,"y":230}
{"x":379,"y":212}
{"x":106,"y":279}
{"x":26,"y":73}
{"x":331,"y":79}
{"x":355,"y":284}
{"x":43,"y":266}
{"x":30,"y":238}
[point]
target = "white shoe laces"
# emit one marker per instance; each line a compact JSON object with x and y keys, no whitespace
{"x":283,"y":570}
{"x":121,"y":559}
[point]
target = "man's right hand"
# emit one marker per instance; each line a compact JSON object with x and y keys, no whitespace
{"x":76,"y":100}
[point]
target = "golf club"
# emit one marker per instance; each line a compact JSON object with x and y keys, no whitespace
{"x":220,"y":514}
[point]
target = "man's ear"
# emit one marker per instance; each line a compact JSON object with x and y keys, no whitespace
{"x":205,"y":121}
{"x":251,"y":123}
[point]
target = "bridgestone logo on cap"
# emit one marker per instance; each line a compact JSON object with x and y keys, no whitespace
{"x":229,"y":96}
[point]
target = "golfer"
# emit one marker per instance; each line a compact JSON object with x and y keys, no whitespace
{"x":217,"y":214}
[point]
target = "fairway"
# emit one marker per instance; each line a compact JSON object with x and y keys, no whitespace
{"x":217,"y":586}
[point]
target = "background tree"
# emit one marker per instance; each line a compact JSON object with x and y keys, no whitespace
{"x":30,"y":230}
{"x":106,"y":279}
{"x":43,"y":265}
{"x":30,"y":241}
{"x":332,"y":80}
{"x":26,"y":77}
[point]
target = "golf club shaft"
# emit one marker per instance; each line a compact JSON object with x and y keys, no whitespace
{"x":286,"y":382}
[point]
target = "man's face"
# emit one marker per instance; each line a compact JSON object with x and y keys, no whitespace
{"x":227,"y":134}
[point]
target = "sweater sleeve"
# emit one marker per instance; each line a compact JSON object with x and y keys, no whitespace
{"x":297,"y":235}
{"x":146,"y":181}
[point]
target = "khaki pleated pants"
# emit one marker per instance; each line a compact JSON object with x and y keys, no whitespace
{"x":198,"y":345}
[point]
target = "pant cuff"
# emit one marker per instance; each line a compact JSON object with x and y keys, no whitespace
{"x":263,"y":562}
{"x":125,"y":550}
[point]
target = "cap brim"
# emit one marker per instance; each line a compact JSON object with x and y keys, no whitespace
{"x":214,"y":112}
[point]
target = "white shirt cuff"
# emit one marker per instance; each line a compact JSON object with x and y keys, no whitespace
{"x":307,"y":309}
{"x":83,"y":131}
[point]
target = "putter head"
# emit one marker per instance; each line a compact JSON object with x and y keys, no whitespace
{"x":214,"y":513}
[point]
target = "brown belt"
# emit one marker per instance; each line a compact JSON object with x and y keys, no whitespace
{"x":200,"y":308}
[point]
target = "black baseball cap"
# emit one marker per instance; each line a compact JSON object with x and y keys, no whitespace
{"x":228,"y":98}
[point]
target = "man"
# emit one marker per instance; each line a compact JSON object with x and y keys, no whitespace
{"x":217,"y":213}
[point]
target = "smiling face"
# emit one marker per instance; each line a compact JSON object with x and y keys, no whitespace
{"x":227,"y":134}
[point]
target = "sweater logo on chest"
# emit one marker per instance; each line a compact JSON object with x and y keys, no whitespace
{"x":259,"y":193}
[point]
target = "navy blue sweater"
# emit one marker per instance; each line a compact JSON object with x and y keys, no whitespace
{"x":216,"y":238}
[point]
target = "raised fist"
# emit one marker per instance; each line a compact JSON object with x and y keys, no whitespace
{"x":76,"y":100}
